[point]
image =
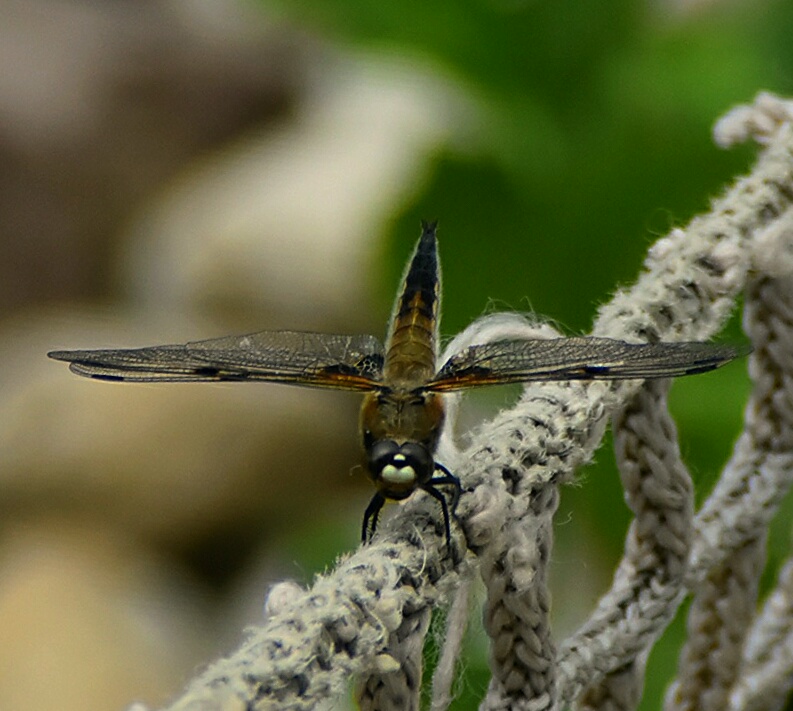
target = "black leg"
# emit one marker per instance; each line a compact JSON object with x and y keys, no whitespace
{"x":432,"y":491}
{"x":370,"y":515}
{"x":448,"y":478}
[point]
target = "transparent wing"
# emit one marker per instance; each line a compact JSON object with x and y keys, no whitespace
{"x":519,"y":361}
{"x":309,"y":359}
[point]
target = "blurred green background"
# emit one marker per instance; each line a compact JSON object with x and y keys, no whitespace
{"x":595,"y":140}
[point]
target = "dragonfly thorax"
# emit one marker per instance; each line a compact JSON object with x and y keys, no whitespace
{"x":400,"y":433}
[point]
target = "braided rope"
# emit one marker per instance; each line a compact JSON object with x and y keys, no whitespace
{"x":399,"y":689}
{"x":367,"y":618}
{"x":767,"y":672}
{"x":717,"y":621}
{"x":648,"y":583}
{"x":688,"y":290}
{"x":456,"y":623}
{"x":761,"y":469}
{"x":618,"y":690}
{"x":729,"y":549}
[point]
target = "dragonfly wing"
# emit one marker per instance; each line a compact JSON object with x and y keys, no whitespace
{"x":520,"y":361}
{"x":171,"y":362}
{"x":310,"y":359}
{"x":318,"y":359}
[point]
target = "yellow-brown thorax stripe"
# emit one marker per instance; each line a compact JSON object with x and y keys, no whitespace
{"x":412,"y":339}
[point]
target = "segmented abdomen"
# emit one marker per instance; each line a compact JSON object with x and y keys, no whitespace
{"x":412,"y":340}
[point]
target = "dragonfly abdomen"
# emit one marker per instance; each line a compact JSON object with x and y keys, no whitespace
{"x":412,"y":340}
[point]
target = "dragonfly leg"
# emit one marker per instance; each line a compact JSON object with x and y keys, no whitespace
{"x":432,"y":491}
{"x":370,"y":517}
{"x":429,"y":487}
{"x":448,"y":478}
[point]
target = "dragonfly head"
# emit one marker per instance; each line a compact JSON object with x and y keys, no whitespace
{"x":398,"y":469}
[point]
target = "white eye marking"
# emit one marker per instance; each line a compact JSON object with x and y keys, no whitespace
{"x":401,"y":475}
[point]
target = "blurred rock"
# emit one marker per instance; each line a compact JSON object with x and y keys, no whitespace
{"x":100,"y":103}
{"x":91,"y":622}
{"x":274,"y":228}
{"x":169,"y":462}
{"x":284,"y":224}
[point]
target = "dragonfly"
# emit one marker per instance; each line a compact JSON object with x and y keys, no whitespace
{"x":402,"y":414}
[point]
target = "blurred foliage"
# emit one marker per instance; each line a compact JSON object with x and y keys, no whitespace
{"x":594,"y":139}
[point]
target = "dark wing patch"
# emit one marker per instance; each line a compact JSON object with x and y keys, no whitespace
{"x":309,"y":359}
{"x":520,"y":361}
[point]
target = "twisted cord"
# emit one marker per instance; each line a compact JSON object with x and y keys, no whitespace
{"x":647,"y":586}
{"x":400,"y":688}
{"x":686,"y":292}
{"x":456,"y":623}
{"x":691,"y":281}
{"x":767,"y":671}
{"x":522,"y":654}
{"x":731,"y":527}
{"x":758,"y":121}
{"x":348,"y":624}
{"x":719,"y":616}
{"x":760,"y":471}
{"x":732,"y":218}
{"x":356,"y":619}
{"x":620,"y":689}
{"x":730,"y":545}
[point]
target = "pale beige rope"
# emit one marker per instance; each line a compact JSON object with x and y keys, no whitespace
{"x":619,"y":690}
{"x":730,"y":547}
{"x":751,"y":206}
{"x":314,"y":644}
{"x":648,"y":583}
{"x":346,"y":624}
{"x":758,"y":121}
{"x":719,"y":616}
{"x":729,"y":550}
{"x":761,"y":469}
{"x":687,"y":292}
{"x":521,"y":648}
{"x":767,"y":673}
{"x":400,"y":689}
{"x":455,"y":628}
